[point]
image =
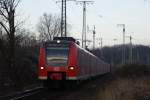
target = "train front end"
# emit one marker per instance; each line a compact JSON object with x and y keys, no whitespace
{"x":57,"y":61}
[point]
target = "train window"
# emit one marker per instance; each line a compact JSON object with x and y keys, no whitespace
{"x":57,"y":56}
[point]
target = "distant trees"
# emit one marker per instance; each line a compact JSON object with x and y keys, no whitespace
{"x":48,"y":27}
{"x":26,"y":38}
{"x":112,"y":55}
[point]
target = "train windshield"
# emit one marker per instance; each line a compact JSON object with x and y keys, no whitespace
{"x":57,"y":56}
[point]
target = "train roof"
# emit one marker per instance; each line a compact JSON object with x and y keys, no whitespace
{"x":61,"y":40}
{"x":65,"y":39}
{"x":87,"y":51}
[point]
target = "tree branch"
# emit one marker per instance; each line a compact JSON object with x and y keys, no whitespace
{"x":5,"y":28}
{"x":2,"y":13}
{"x":6,"y":7}
{"x":16,"y":3}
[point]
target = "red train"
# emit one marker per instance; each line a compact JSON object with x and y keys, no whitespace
{"x":62,"y":60}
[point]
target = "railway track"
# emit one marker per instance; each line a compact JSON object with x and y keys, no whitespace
{"x":61,"y":94}
{"x":49,"y":94}
{"x":23,"y":94}
{"x":86,"y":88}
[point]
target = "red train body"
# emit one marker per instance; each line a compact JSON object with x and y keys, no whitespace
{"x":65,"y":60}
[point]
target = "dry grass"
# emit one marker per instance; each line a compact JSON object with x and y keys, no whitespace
{"x":118,"y":89}
{"x":132,"y":83}
{"x":126,"y":89}
{"x":132,"y":71}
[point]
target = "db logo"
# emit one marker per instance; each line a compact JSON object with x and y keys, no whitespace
{"x":56,"y":69}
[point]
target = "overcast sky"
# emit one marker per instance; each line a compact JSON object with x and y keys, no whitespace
{"x":104,"y":14}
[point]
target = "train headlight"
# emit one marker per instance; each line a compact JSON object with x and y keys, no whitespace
{"x":58,"y":41}
{"x":71,"y":67}
{"x":41,"y":67}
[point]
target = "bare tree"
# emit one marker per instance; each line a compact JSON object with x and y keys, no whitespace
{"x":7,"y":22}
{"x":48,"y":27}
{"x":27,"y":39}
{"x":7,"y":42}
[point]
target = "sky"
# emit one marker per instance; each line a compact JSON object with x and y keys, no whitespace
{"x":104,"y":14}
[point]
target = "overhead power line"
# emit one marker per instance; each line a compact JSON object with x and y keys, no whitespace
{"x":63,"y":17}
{"x":94,"y":32}
{"x":123,"y":46}
{"x":84,"y":3}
